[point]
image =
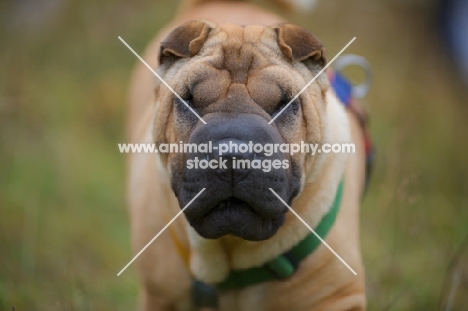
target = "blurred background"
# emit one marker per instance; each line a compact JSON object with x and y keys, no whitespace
{"x":64,"y":230}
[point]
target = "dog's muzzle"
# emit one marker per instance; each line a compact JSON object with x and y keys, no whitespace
{"x":237,"y":200}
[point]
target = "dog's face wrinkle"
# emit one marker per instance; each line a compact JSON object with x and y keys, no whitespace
{"x":239,"y":62}
{"x":211,"y":87}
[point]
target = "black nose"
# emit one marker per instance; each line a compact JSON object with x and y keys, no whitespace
{"x":237,"y":156}
{"x":234,"y":149}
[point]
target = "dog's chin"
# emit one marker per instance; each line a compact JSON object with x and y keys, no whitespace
{"x":235,"y":217}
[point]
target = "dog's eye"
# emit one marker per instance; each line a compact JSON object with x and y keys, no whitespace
{"x":187,"y":101}
{"x":186,"y":108}
{"x":291,"y":108}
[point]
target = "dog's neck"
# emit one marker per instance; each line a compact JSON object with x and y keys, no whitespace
{"x":212,"y":260}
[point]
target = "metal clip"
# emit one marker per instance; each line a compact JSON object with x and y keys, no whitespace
{"x":360,"y":90}
{"x":204,"y":296}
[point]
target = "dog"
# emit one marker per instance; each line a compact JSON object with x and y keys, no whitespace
{"x":236,"y":66}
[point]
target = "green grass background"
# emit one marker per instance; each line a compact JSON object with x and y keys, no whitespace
{"x":64,"y":230}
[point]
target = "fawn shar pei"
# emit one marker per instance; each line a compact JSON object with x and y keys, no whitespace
{"x":237,"y":246}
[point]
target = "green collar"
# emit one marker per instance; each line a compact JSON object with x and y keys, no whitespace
{"x":285,"y":265}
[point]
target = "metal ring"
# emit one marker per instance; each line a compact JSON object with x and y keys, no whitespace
{"x":360,"y":90}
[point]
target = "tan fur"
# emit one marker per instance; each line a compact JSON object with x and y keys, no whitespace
{"x":322,"y":281}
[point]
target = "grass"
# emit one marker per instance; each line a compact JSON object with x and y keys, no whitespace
{"x":64,"y":232}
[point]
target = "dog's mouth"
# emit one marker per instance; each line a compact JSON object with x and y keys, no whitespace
{"x":237,"y":200}
{"x":231,"y":203}
{"x":236,"y":217}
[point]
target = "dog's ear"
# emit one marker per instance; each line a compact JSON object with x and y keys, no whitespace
{"x":184,"y":41}
{"x":298,"y":44}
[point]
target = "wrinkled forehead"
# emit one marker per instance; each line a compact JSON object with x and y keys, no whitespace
{"x":236,"y":48}
{"x":242,"y":63}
